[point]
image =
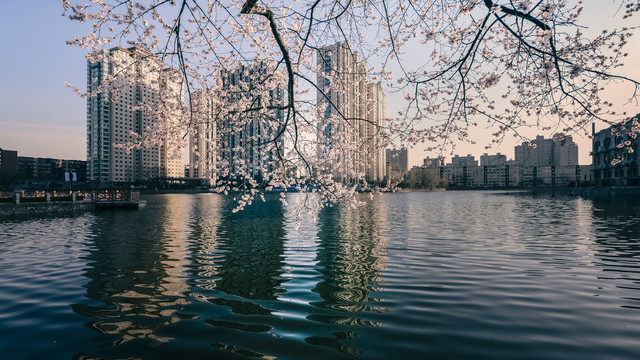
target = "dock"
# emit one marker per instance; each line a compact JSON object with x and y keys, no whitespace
{"x":21,"y":203}
{"x":115,"y":199}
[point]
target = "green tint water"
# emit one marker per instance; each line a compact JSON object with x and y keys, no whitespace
{"x":412,"y":275}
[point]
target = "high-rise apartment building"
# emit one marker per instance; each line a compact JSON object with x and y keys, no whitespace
{"x":352,"y":113}
{"x":203,"y":139}
{"x":565,"y":151}
{"x":557,"y":151}
{"x":537,"y":153}
{"x":492,"y":160}
{"x":374,"y":134}
{"x":429,"y":162}
{"x":128,"y":88}
{"x":398,"y":160}
{"x":250,"y":142}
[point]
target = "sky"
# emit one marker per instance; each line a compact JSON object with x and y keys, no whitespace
{"x":41,"y":117}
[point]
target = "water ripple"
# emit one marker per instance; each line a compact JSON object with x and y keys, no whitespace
{"x":412,"y":275}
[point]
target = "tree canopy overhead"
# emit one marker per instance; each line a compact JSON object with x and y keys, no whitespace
{"x":460,"y":64}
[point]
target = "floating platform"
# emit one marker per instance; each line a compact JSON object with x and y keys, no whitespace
{"x":118,"y":199}
{"x":120,"y":204}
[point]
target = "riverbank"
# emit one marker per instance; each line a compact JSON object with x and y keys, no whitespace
{"x":587,"y":192}
{"x":420,"y":190}
{"x":43,"y":203}
{"x":591,"y":192}
{"x":175,"y":191}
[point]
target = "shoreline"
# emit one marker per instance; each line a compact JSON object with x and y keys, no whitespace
{"x":38,"y":208}
{"x":42,"y":208}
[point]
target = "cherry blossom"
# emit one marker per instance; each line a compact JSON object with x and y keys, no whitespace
{"x":457,"y":63}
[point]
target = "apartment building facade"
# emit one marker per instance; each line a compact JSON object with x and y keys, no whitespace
{"x":615,"y":154}
{"x":352,"y":116}
{"x":125,"y":87}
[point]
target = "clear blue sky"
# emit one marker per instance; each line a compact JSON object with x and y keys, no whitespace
{"x":40,"y":116}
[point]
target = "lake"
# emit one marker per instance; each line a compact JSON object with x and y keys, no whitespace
{"x":456,"y":275}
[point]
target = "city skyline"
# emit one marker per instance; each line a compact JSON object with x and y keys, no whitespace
{"x":36,"y":65}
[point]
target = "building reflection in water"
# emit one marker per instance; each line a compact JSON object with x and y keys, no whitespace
{"x":350,"y":258}
{"x":136,"y":270}
{"x":238,"y":273}
{"x":616,"y":225}
{"x":188,"y":268}
{"x":252,"y":242}
{"x":204,"y":245}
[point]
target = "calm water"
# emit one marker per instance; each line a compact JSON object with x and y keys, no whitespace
{"x":412,"y":275}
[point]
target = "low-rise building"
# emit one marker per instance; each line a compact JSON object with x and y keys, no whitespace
{"x":586,"y":175}
{"x":45,"y":171}
{"x":551,"y":175}
{"x":495,"y":175}
{"x":8,"y":169}
{"x":462,"y":175}
{"x":398,"y":160}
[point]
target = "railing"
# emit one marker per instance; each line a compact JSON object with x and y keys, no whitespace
{"x":41,"y":196}
{"x":102,"y":196}
{"x":116,"y":195}
{"x":7,"y":197}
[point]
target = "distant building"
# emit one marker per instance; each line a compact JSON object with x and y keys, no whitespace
{"x":493,"y":160}
{"x":8,"y":169}
{"x":495,"y":175}
{"x":44,"y":172}
{"x":462,"y":161}
{"x":120,"y":114}
{"x":561,"y":150}
{"x":494,"y":171}
{"x":497,"y":171}
{"x":565,"y":150}
{"x":433,"y":162}
{"x":586,"y":175}
{"x":398,"y":160}
{"x":563,"y":175}
{"x":514,"y":169}
{"x":537,"y":153}
{"x":462,"y":175}
{"x":615,"y":154}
